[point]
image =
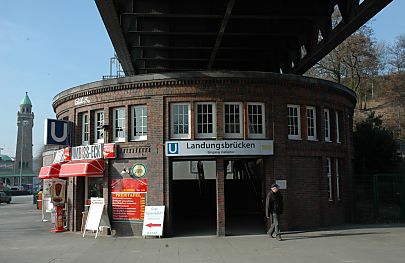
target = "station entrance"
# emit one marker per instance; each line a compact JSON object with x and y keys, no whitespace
{"x":194,"y":200}
{"x":244,"y":197}
{"x":193,"y":196}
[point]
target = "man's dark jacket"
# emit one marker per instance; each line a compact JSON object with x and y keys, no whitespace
{"x":274,"y":203}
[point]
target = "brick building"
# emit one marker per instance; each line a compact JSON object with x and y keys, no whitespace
{"x":207,"y":145}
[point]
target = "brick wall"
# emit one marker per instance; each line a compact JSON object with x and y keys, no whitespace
{"x":300,"y":162}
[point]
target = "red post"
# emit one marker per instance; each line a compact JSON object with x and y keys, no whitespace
{"x":59,"y":221}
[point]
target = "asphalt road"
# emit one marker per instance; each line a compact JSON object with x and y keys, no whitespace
{"x":24,"y":238}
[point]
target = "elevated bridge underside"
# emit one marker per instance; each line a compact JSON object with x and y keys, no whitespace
{"x":289,"y":36}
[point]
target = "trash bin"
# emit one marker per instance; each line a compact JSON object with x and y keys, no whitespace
{"x":39,"y":200}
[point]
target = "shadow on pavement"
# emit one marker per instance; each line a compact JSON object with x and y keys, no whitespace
{"x":332,"y":235}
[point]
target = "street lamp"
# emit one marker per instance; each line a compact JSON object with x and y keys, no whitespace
{"x":24,"y":123}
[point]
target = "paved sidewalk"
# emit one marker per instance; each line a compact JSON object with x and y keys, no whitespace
{"x":24,"y":238}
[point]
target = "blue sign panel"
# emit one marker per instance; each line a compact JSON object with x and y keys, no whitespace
{"x":57,"y":132}
{"x":172,"y":148}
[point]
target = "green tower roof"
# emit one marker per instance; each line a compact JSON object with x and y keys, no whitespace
{"x":4,"y":157}
{"x":26,"y":100}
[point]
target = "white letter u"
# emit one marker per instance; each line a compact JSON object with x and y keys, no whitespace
{"x":172,"y":148}
{"x":53,"y":132}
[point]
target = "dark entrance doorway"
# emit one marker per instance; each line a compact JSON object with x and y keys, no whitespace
{"x":244,"y":196}
{"x":194,"y":197}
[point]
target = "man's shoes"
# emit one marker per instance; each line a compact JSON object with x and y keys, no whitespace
{"x":278,"y":237}
{"x":270,"y":234}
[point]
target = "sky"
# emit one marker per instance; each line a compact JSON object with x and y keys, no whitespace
{"x":47,"y":46}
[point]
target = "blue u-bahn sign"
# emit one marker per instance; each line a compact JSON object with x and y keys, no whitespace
{"x":57,"y":132}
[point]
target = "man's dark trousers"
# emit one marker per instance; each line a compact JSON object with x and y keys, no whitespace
{"x":274,"y":225}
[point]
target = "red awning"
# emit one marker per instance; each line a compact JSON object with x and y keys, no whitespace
{"x":50,"y":171}
{"x":82,"y":168}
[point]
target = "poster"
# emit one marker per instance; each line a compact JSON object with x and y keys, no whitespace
{"x":58,"y":191}
{"x":46,"y":190}
{"x":128,"y":199}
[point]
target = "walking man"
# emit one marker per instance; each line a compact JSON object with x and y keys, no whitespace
{"x":274,"y":207}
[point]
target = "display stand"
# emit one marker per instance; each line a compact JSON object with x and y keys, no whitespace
{"x":153,"y":221}
{"x":97,"y":217}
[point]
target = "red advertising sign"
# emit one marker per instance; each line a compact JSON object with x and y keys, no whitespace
{"x":66,"y":154}
{"x":127,"y":206}
{"x":109,"y":150}
{"x":128,"y":199}
{"x":129,"y":185}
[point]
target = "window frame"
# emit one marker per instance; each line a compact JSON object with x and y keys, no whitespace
{"x":298,"y":108}
{"x":144,"y":136}
{"x":337,"y":125}
{"x":85,"y":128}
{"x":338,"y":184}
{"x":116,"y":138}
{"x":315,"y":136}
{"x":261,"y":135}
{"x":326,"y":119}
{"x":180,"y":135}
{"x":212,"y":134}
{"x":234,"y":135}
{"x":97,"y":126}
{"x":329,"y":175}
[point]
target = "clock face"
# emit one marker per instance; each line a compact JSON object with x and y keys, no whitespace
{"x":138,"y":170}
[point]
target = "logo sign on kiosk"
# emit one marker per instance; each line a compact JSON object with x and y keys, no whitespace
{"x":93,"y":151}
{"x":58,"y":192}
{"x":109,"y":150}
{"x":153,"y":221}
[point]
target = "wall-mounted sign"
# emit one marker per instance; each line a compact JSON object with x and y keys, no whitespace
{"x":213,"y":148}
{"x":62,"y":155}
{"x":128,"y":199}
{"x":133,"y":151}
{"x":57,"y":132}
{"x":66,"y":154}
{"x":138,"y":170}
{"x":282,"y":184}
{"x":59,"y":157}
{"x":93,"y":151}
{"x":109,"y":150}
{"x":153,"y":221}
{"x":82,"y":100}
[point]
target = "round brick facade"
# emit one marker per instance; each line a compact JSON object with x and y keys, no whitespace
{"x":317,"y":171}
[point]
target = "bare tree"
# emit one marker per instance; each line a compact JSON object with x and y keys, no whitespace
{"x":353,"y":63}
{"x":396,"y":54}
